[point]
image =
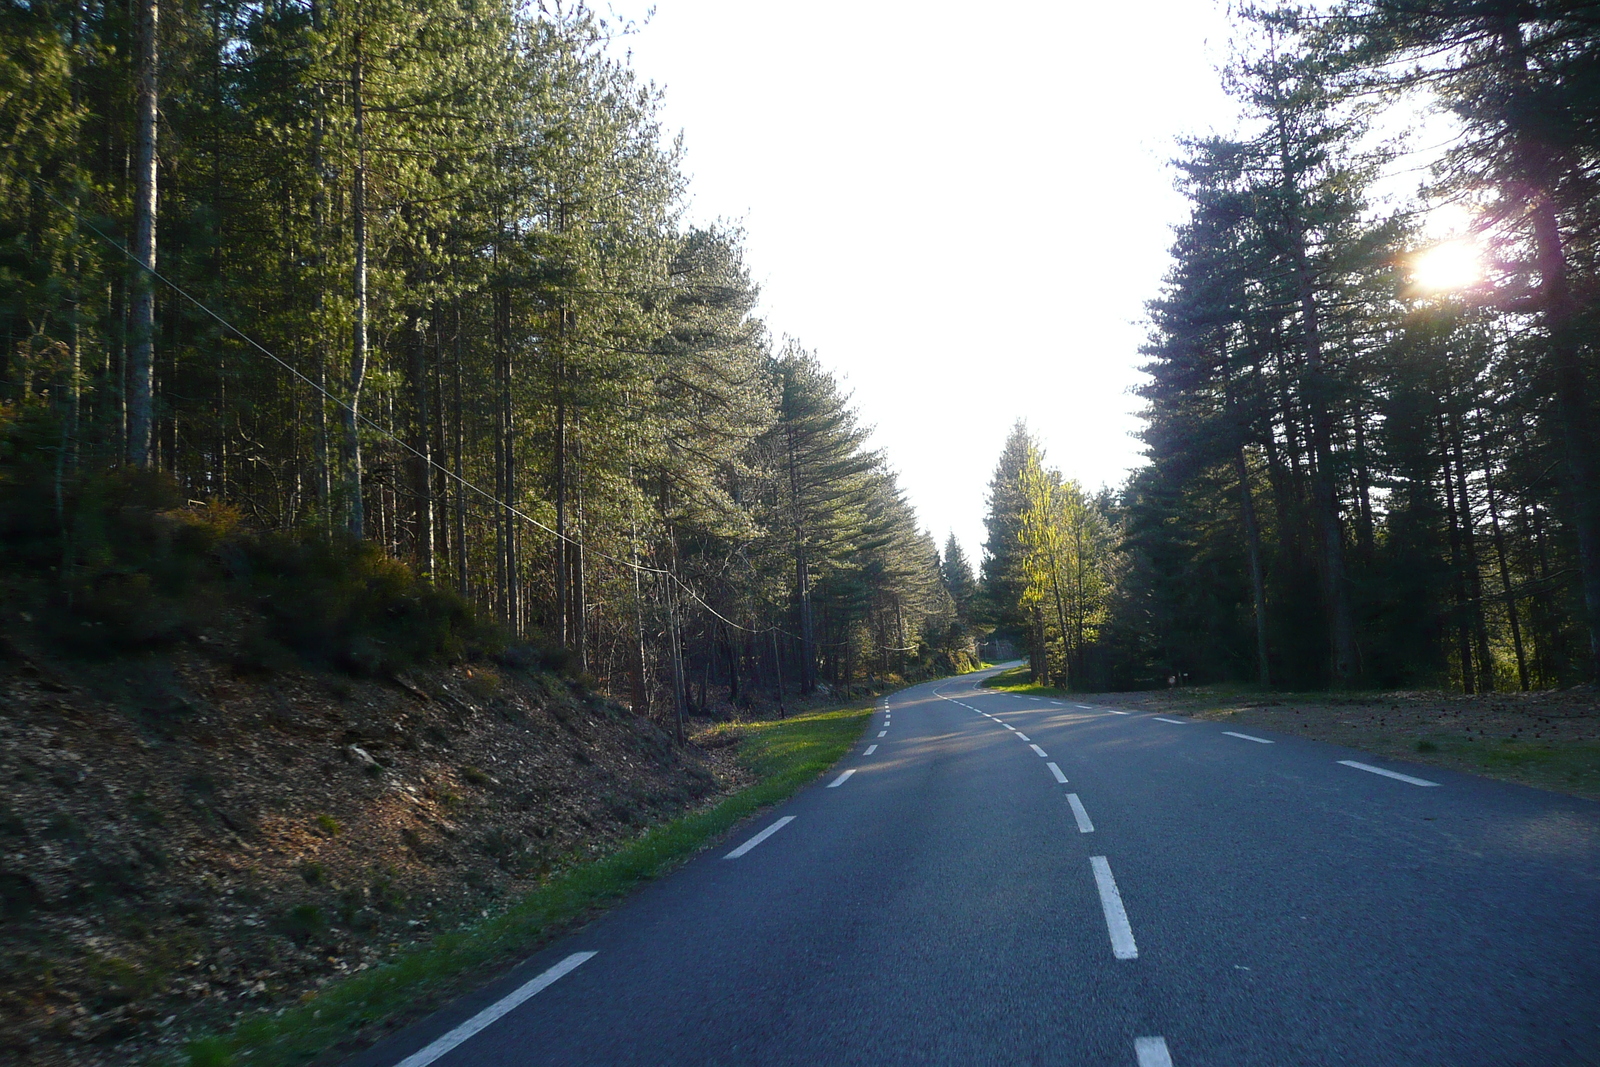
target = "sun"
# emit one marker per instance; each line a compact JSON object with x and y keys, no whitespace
{"x":1447,"y":266}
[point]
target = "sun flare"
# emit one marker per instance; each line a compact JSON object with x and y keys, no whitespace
{"x":1447,"y":266}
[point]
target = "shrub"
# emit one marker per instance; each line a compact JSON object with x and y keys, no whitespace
{"x":301,"y":922}
{"x":122,"y":562}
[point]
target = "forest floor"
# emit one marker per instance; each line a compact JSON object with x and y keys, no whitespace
{"x":184,"y":845}
{"x":1549,"y":739}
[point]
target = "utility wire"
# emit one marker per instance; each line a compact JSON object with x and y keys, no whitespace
{"x":510,"y":509}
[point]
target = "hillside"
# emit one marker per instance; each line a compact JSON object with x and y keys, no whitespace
{"x":189,"y":834}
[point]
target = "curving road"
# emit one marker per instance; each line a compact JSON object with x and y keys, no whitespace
{"x":1017,"y":880}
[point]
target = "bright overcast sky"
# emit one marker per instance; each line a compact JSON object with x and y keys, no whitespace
{"x":960,"y":210}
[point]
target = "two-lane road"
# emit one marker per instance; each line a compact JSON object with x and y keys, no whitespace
{"x":1000,"y":879}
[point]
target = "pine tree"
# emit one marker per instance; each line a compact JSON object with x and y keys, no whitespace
{"x":956,"y":573}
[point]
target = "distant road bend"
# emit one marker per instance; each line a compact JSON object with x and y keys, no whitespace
{"x":994,"y":879}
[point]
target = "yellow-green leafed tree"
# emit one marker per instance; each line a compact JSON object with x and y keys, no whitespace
{"x":1066,"y":548}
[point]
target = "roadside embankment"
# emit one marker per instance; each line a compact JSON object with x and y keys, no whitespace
{"x":776,"y":758}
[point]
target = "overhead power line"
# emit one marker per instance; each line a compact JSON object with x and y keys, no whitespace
{"x":510,"y":509}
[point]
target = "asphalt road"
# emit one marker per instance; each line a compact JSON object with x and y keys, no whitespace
{"x":1187,"y":896}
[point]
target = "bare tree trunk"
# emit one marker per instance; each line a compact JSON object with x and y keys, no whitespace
{"x":1038,"y":660}
{"x":802,"y":567}
{"x":141,"y":352}
{"x":1061,"y":621}
{"x":439,"y":451}
{"x":1325,"y":503}
{"x":641,"y":690}
{"x":422,"y":458}
{"x":1505,"y":572}
{"x":559,"y":476}
{"x":680,"y":695}
{"x":1258,"y":585}
{"x":502,"y":518}
{"x":777,"y":674}
{"x":900,"y":632}
{"x":580,"y":628}
{"x":463,"y":586}
{"x":508,"y":421}
{"x":324,"y":451}
{"x":354,"y":505}
{"x":1457,"y":571}
{"x":1469,"y":528}
{"x":1560,"y":310}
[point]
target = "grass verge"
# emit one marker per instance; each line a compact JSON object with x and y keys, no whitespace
{"x":1491,"y":734}
{"x":1016,"y":681}
{"x":1572,"y":767}
{"x":786,"y":755}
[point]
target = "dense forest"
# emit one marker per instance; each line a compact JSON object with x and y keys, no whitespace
{"x":416,"y":274}
{"x":1372,"y":452}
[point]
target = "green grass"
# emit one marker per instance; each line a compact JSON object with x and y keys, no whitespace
{"x":1571,"y":767}
{"x":1016,"y":681}
{"x":1213,"y":697}
{"x":786,"y":755}
{"x":1568,"y":767}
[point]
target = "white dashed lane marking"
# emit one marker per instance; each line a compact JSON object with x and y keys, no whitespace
{"x":1247,"y":737}
{"x":1039,"y":750}
{"x":1080,"y":814}
{"x":1057,"y":772}
{"x":1396,"y":775}
{"x":1122,"y":943}
{"x":1175,"y":722}
{"x":870,"y":750}
{"x":882,"y":732}
{"x":1022,"y":736}
{"x":837,"y":782}
{"x":1152,"y":1052}
{"x":762,"y":836}
{"x":495,"y":1011}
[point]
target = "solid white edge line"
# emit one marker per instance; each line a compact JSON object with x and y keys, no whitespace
{"x":870,"y":750}
{"x":488,"y":1016}
{"x":1039,"y":750}
{"x":1078,"y":812}
{"x":1057,"y":772}
{"x":837,"y":782}
{"x":1175,"y":722}
{"x":1247,"y":737}
{"x":1152,"y":1052}
{"x":1122,"y":944}
{"x":1396,"y":775}
{"x":762,"y":836}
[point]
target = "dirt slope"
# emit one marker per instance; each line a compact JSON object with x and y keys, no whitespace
{"x":181,"y":842}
